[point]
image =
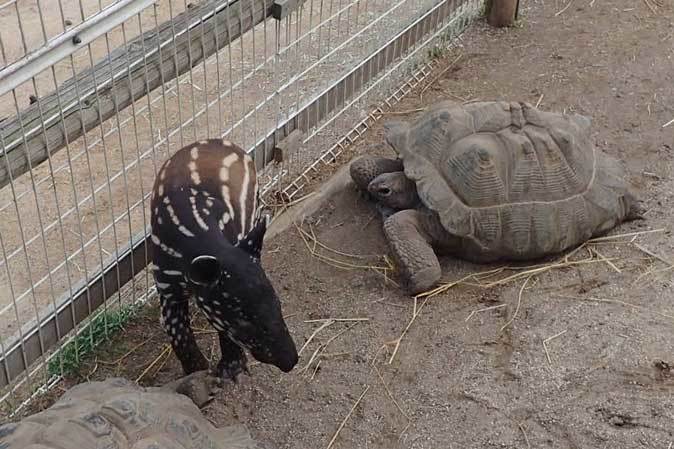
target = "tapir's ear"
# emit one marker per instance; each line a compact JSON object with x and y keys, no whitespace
{"x":204,"y":270}
{"x":252,"y":242}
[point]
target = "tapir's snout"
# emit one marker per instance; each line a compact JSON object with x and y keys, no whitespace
{"x":281,"y":352}
{"x":286,"y":364}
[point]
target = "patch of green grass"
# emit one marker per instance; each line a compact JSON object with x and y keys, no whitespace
{"x":437,"y":51}
{"x":69,"y":358}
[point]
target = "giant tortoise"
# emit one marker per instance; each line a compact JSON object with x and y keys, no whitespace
{"x":119,"y":414}
{"x":489,"y":181}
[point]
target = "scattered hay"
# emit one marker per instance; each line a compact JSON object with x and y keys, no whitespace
{"x":538,"y":103}
{"x":519,"y":302}
{"x":549,"y":339}
{"x":346,"y":418}
{"x":485,"y":279}
{"x":163,"y":355}
{"x":336,"y":320}
{"x":618,"y":302}
{"x":357,"y":261}
{"x":526,"y":438}
{"x":318,"y":352}
{"x":282,"y":206}
{"x":390,"y":395}
{"x":605,"y":259}
{"x":561,"y":11}
{"x":438,"y":76}
{"x":479,"y":279}
{"x":484,"y":310}
{"x":326,"y":323}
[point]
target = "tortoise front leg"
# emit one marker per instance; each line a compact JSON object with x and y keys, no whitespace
{"x":174,"y":302}
{"x":411,"y":246}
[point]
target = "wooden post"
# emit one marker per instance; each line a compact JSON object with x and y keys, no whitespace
{"x":503,"y":13}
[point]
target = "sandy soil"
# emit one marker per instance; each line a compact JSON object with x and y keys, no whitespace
{"x":579,"y":357}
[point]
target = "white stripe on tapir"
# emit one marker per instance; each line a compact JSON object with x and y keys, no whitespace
{"x":254,"y":212}
{"x":228,"y":202}
{"x":227,"y":162}
{"x":176,"y":221}
{"x":244,"y":196}
{"x":194,"y":173}
{"x":166,"y":249}
{"x":195,"y":213}
{"x":200,"y":221}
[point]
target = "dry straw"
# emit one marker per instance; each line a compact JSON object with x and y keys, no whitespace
{"x":165,"y":353}
{"x":548,"y":340}
{"x":509,"y":274}
{"x":346,"y":418}
{"x":318,"y":351}
{"x":318,"y":249}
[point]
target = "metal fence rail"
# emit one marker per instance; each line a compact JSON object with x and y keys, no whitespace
{"x":93,"y":111}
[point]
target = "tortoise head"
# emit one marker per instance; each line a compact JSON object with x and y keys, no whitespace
{"x":394,"y":190}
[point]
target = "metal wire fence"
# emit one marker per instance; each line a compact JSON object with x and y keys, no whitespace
{"x":96,"y":95}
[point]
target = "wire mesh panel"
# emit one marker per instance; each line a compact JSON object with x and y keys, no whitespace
{"x":96,"y":95}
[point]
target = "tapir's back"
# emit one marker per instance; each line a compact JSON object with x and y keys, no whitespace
{"x":206,"y":189}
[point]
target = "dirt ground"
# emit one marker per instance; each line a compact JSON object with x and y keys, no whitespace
{"x":579,"y":356}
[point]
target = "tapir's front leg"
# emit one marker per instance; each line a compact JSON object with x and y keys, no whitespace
{"x":176,"y":321}
{"x":233,"y":361}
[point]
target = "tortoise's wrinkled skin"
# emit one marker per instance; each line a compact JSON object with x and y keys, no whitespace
{"x":119,"y":414}
{"x":490,"y":181}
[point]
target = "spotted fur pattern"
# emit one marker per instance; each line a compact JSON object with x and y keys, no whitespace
{"x":206,"y":240}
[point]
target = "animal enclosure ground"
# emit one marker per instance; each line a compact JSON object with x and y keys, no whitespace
{"x":576,"y":355}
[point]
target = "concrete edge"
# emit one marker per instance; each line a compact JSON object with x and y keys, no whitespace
{"x":337,"y":183}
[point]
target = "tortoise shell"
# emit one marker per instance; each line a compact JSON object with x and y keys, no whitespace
{"x":118,"y":414}
{"x":509,"y":178}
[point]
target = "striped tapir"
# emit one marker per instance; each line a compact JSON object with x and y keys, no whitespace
{"x":206,"y":240}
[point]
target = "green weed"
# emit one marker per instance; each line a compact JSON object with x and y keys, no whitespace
{"x":68,"y":359}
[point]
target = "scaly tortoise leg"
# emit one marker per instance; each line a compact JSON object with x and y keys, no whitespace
{"x":410,"y":243}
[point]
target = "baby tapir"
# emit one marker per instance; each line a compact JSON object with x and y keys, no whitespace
{"x":206,"y":241}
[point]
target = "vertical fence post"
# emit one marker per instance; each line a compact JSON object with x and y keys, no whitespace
{"x":503,"y":13}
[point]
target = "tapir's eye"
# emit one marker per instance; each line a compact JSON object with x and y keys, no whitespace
{"x":204,"y":270}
